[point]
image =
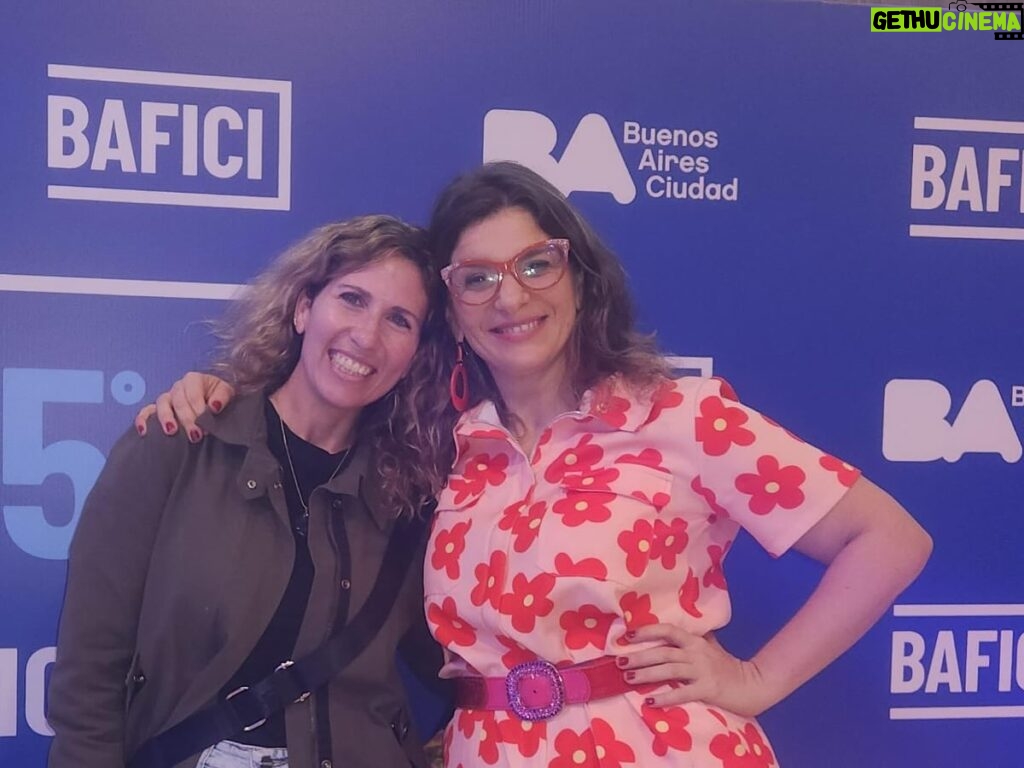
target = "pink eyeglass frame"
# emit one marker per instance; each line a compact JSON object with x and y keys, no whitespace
{"x":506,"y":267}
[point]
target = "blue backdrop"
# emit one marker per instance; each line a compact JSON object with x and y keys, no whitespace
{"x":831,"y":218}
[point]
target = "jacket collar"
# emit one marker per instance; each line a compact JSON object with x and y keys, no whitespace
{"x":242,"y":423}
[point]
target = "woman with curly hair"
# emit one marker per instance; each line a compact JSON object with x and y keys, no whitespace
{"x":199,"y":571}
{"x":574,"y":574}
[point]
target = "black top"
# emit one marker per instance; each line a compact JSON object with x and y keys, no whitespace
{"x":313,"y":467}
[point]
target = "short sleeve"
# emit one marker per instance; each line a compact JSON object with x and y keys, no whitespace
{"x":766,"y":479}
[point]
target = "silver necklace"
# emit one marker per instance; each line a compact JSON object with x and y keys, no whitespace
{"x":291,"y":466}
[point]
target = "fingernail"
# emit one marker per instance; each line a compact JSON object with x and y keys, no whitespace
{"x":630,"y":635}
{"x":630,"y":675}
{"x":170,"y":427}
{"x":216,"y":405}
{"x":649,"y":701}
{"x":141,"y":429}
{"x":622,"y":661}
{"x":193,"y":435}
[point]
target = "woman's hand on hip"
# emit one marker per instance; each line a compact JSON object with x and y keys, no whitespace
{"x":699,"y":668}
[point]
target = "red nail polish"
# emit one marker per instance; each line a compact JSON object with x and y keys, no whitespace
{"x":141,"y":429}
{"x":216,"y":405}
{"x":193,"y":435}
{"x":622,"y":661}
{"x":630,"y":635}
{"x":649,"y":701}
{"x":630,"y":675}
{"x":170,"y":427}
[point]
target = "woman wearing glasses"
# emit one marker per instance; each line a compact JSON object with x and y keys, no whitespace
{"x":574,"y":572}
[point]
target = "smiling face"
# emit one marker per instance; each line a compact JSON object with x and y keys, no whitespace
{"x":359,"y":336}
{"x":521,"y":334}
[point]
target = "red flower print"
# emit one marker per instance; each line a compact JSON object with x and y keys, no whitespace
{"x":594,"y":747}
{"x":588,"y":567}
{"x":669,"y":728}
{"x":613,"y":410}
{"x":575,"y":750}
{"x":449,"y":629}
{"x":746,"y":749}
{"x":611,"y":752}
{"x":846,"y":473}
{"x":490,"y":580}
{"x":449,"y":736}
{"x":714,"y":576}
{"x":587,"y":507}
{"x":725,"y":389}
{"x":772,"y":486}
{"x":448,"y":547}
{"x":664,"y":398}
{"x":636,"y":612}
{"x":720,"y":426}
{"x":523,"y":521}
{"x":512,"y":513}
{"x":689,"y":593}
{"x":670,"y":540}
{"x":648,"y":457}
{"x":580,"y":459}
{"x":545,"y":438}
{"x":710,"y":498}
{"x":659,"y":501}
{"x":479,"y":472}
{"x":525,"y":735}
{"x":488,"y":748}
{"x":637,"y":544}
{"x":587,"y":626}
{"x":516,"y":653}
{"x":528,"y":600}
{"x":468,"y":718}
{"x":599,"y":479}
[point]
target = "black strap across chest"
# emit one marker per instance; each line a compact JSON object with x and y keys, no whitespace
{"x":292,"y":681}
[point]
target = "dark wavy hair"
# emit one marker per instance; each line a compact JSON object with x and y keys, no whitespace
{"x":259,"y":347}
{"x":604,"y":340}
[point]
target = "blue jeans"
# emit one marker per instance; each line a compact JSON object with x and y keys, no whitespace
{"x":228,"y":754}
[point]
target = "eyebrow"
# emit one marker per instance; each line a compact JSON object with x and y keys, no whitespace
{"x":394,"y":307}
{"x":497,"y":260}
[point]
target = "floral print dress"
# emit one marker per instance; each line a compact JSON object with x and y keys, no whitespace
{"x":620,"y":518}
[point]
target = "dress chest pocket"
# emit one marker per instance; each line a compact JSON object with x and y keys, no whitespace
{"x":606,"y":522}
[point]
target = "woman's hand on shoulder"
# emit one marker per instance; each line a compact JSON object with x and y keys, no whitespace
{"x":698,"y":668}
{"x":182,"y":405}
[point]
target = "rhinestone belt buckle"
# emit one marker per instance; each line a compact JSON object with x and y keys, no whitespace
{"x":530,"y":672}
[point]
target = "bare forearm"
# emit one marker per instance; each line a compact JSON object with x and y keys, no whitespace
{"x":858,"y":586}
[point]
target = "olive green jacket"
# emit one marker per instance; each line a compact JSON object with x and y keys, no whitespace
{"x":180,"y":559}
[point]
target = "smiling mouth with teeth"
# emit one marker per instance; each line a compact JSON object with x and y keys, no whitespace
{"x":521,"y":328}
{"x":346,"y":364}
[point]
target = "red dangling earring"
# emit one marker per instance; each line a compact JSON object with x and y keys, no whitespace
{"x":458,"y":386}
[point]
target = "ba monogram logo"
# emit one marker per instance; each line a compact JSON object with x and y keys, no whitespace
{"x":915,"y":425}
{"x":591,"y":161}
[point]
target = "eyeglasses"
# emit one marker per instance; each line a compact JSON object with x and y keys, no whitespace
{"x":536,"y":267}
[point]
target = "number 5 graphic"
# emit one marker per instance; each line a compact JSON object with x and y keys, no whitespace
{"x":26,"y":461}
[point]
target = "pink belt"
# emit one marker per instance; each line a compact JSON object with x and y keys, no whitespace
{"x":537,"y":690}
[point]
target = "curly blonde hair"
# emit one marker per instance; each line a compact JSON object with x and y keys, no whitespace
{"x":259,"y":348}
